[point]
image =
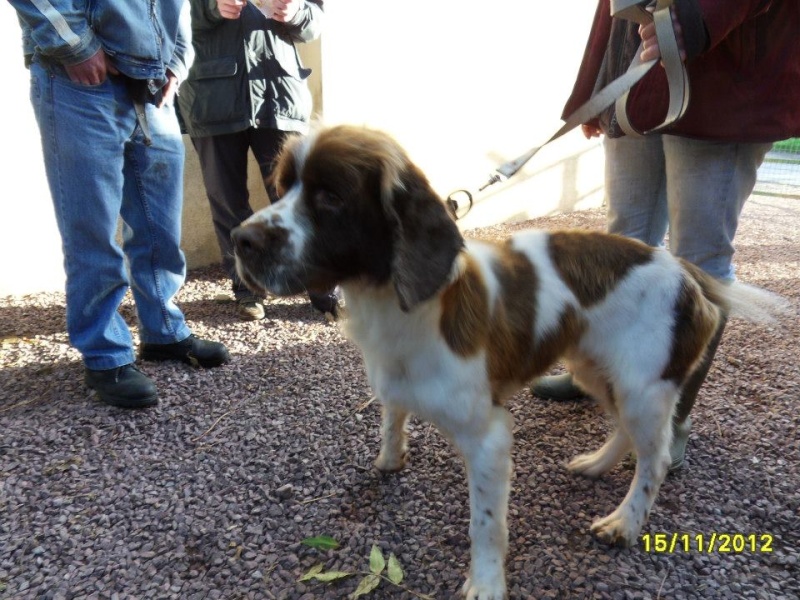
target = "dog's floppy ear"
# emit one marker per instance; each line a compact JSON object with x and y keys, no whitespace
{"x":283,"y":170}
{"x":426,"y":239}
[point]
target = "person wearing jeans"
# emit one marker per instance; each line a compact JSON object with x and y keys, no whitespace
{"x":692,"y":179}
{"x":102,"y":97}
{"x":695,"y":189}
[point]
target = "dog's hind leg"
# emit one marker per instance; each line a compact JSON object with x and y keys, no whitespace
{"x":595,"y":464}
{"x":647,"y":420}
{"x":618,"y":444}
{"x":488,"y":459}
{"x":394,"y":444}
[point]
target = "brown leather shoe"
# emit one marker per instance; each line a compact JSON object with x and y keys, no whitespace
{"x":250,"y":308}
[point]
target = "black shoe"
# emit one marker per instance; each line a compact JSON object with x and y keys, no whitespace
{"x":193,"y":351}
{"x":557,"y":387}
{"x":125,"y":386}
{"x":327,"y":303}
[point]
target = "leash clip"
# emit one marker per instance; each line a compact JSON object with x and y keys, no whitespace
{"x":456,"y":201}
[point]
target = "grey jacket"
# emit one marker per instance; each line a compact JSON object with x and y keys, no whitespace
{"x":247,"y":72}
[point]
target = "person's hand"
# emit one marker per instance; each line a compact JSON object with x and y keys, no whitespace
{"x":169,"y":90}
{"x":650,"y":41}
{"x":590,"y":131}
{"x":92,"y":71}
{"x":230,"y":9}
{"x":285,"y":10}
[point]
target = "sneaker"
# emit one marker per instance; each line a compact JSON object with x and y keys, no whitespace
{"x":192,"y":351}
{"x":125,"y":386}
{"x":557,"y":387}
{"x":327,"y":303}
{"x":250,"y":308}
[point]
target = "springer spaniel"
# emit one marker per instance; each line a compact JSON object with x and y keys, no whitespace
{"x":449,"y":328}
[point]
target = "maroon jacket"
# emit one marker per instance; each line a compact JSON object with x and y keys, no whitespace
{"x":743,"y":64}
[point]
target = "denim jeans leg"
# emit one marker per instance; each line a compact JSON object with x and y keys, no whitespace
{"x":636,"y":194}
{"x":709,"y":183}
{"x":83,"y":161}
{"x":152,"y":203}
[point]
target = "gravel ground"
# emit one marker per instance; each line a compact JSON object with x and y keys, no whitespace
{"x":210,"y":494}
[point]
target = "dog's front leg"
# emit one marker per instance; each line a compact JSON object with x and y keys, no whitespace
{"x":488,"y":456}
{"x":394,"y":445}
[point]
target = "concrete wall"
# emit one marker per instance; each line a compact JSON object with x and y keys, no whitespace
{"x":463,"y":90}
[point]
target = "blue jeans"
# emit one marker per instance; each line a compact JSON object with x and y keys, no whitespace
{"x":694,"y":189}
{"x":99,"y":170}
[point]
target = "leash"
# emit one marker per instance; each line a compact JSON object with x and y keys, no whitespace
{"x":460,"y":202}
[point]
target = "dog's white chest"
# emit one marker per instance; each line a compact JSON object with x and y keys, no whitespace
{"x":433,"y":384}
{"x":409,"y":365}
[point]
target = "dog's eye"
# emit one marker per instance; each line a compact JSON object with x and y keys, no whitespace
{"x":325,"y":199}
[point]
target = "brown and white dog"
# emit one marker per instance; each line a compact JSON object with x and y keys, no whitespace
{"x":449,"y":328}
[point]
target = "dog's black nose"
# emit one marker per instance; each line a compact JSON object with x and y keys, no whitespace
{"x":247,"y":239}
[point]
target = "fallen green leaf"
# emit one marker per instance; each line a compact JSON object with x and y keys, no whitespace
{"x":366,"y":585}
{"x":321,"y":542}
{"x":317,"y":573}
{"x":395,"y":571}
{"x":312,"y":572}
{"x":332,"y":576}
{"x":376,"y":561}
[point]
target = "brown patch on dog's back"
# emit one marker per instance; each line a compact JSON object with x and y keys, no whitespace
{"x":612,"y":257}
{"x":549,"y":349}
{"x":515,"y":356}
{"x":465,"y":311}
{"x":511,"y":334}
{"x":505,"y":330}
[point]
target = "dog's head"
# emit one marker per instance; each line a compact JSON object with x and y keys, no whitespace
{"x":353,"y":207}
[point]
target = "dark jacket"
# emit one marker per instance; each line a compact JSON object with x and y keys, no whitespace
{"x":247,"y":72}
{"x":743,"y":64}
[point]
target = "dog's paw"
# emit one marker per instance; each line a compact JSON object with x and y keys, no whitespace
{"x":588,"y":465}
{"x":389,"y":463}
{"x":617,"y":529}
{"x":484,"y":591}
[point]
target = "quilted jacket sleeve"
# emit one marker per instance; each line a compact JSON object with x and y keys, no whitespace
{"x":306,"y":25}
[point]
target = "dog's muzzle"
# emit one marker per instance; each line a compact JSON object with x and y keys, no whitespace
{"x":249,"y":240}
{"x":263,"y":258}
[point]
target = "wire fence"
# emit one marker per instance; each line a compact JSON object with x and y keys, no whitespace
{"x":779,"y":174}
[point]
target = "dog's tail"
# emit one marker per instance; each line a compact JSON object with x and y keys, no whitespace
{"x":742,"y":301}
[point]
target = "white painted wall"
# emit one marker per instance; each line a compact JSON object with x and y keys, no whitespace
{"x":466,"y":86}
{"x":30,"y":247}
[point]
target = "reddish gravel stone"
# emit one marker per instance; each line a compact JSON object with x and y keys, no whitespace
{"x":210,"y":494}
